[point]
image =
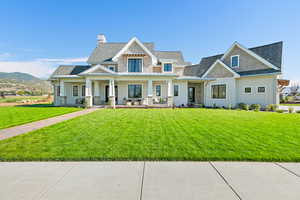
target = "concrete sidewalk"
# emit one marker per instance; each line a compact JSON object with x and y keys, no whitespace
{"x":149,"y":180}
{"x":25,"y":128}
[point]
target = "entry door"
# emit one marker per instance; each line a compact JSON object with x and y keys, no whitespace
{"x":107,"y":93}
{"x":191,"y":94}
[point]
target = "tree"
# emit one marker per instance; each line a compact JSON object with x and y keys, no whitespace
{"x":294,"y":89}
{"x":2,"y":95}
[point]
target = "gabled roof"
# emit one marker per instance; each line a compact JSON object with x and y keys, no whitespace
{"x":218,"y":61}
{"x":251,"y":53}
{"x":202,"y":67}
{"x":134,"y":39}
{"x":270,"y":52}
{"x":96,"y":67}
{"x":70,"y":70}
{"x":172,"y":55}
{"x":106,"y":51}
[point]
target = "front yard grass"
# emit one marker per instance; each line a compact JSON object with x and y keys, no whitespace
{"x":162,"y":134}
{"x":12,"y":116}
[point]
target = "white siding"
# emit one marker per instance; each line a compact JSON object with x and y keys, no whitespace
{"x":230,"y":99}
{"x":269,"y":97}
{"x":182,"y":93}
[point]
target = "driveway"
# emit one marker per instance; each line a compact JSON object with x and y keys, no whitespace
{"x":149,"y":180}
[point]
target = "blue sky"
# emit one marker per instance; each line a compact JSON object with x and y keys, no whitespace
{"x":37,"y":36}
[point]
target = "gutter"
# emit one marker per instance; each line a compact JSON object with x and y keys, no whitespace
{"x":265,"y":74}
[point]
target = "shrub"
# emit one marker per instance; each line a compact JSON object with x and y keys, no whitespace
{"x":291,"y":109}
{"x":255,"y":107}
{"x":243,"y":106}
{"x":272,"y":107}
{"x":229,"y":106}
{"x":280,"y":111}
{"x":298,"y":111}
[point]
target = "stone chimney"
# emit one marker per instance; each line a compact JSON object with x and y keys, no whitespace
{"x":101,"y":39}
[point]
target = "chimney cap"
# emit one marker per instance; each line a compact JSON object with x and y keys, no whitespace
{"x":101,"y":39}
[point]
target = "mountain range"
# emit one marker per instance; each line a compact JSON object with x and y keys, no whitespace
{"x":17,"y":81}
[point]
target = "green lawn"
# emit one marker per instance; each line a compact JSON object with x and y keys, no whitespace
{"x":163,"y":134}
{"x":12,"y":116}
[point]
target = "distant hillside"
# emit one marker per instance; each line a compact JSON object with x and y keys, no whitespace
{"x":17,"y":81}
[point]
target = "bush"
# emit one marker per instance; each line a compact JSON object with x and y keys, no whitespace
{"x":255,"y":107}
{"x":280,"y":111}
{"x":243,"y":106}
{"x":291,"y":109}
{"x":272,"y":107}
{"x":298,"y":111}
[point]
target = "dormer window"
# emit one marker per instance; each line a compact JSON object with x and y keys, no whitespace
{"x":235,"y":61}
{"x":168,"y":67}
{"x":135,"y":64}
{"x":112,"y":68}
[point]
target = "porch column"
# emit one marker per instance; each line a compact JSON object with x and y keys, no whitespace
{"x":170,"y":93}
{"x":150,"y":92}
{"x":88,"y":93}
{"x":112,"y":98}
{"x":96,"y":93}
{"x":63,"y":98}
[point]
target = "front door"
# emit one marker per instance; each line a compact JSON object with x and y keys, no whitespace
{"x":191,"y":95}
{"x":107,"y":93}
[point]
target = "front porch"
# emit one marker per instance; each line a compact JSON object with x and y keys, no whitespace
{"x":134,"y":93}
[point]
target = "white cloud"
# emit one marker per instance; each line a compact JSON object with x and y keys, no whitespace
{"x":63,"y":60}
{"x":42,"y":67}
{"x":5,"y":55}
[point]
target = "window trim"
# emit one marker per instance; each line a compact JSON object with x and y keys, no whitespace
{"x":238,"y":63}
{"x":261,"y":92}
{"x":163,"y":67}
{"x":73,"y":90}
{"x":142,"y":89}
{"x":82,"y":90}
{"x":213,"y":93}
{"x":58,"y":90}
{"x":248,"y":92}
{"x":159,"y":90}
{"x":135,"y":57}
{"x":174,"y":90}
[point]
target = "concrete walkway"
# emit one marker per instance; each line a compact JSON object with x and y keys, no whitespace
{"x":18,"y":130}
{"x":296,"y":108}
{"x":149,"y":180}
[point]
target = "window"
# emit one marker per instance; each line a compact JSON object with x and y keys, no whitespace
{"x":168,"y":67}
{"x":83,"y":90}
{"x":219,"y":91}
{"x":176,"y":90}
{"x":261,"y":89}
{"x":235,"y":61}
{"x":75,"y":91}
{"x":112,"y":68}
{"x":248,"y":90}
{"x":134,"y":91}
{"x":135,"y":65}
{"x":158,"y":90}
{"x":58,"y":91}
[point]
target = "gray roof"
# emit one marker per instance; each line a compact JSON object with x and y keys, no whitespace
{"x":202,"y":67}
{"x":106,"y":51}
{"x":271,"y":52}
{"x":70,"y":70}
{"x":174,"y":55}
